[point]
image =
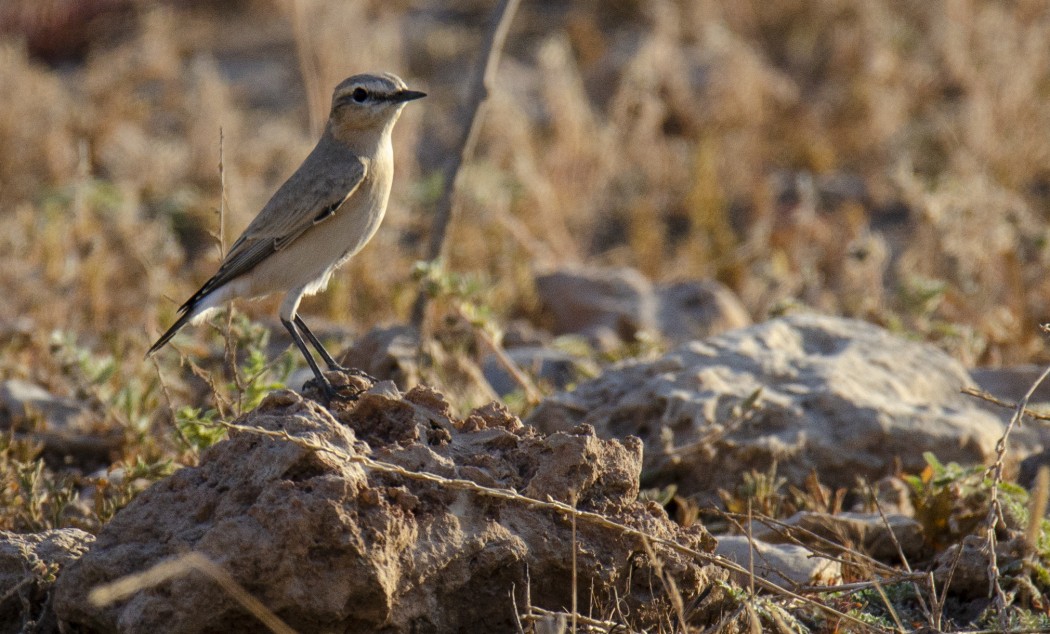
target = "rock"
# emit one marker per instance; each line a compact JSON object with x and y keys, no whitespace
{"x":60,"y":31}
{"x":894,"y":495}
{"x":520,"y":333}
{"x":836,"y":396}
{"x":331,"y":545}
{"x":786,"y":565}
{"x":1012,"y":383}
{"x":613,"y":306}
{"x":554,"y":367}
{"x":21,"y":400}
{"x":1030,"y":466}
{"x":394,"y":353}
{"x":866,"y":532}
{"x":698,"y":309}
{"x":29,"y":565}
{"x":68,"y":428}
{"x":608,"y":306}
{"x":965,"y":565}
{"x":387,"y":353}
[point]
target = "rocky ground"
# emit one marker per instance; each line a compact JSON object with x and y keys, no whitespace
{"x":389,"y":512}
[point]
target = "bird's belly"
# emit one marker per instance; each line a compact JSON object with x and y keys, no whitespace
{"x":309,"y":261}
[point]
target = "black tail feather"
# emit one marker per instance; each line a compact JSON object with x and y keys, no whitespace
{"x":183,"y":319}
{"x":185,"y":315}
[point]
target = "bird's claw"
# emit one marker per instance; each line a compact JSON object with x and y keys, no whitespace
{"x":355,"y":372}
{"x":347,"y":393}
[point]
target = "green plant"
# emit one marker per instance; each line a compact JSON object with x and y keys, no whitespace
{"x":950,"y":500}
{"x":32,"y":497}
{"x":123,"y":482}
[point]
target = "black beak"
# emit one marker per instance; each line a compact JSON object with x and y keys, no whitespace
{"x":406,"y":95}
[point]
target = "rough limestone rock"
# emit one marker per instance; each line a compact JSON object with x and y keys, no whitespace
{"x":867,"y":532}
{"x":699,"y":308}
{"x":390,"y":352}
{"x":605,"y":305}
{"x":786,"y":565}
{"x":330,"y":545}
{"x":64,"y":427}
{"x":29,"y":564}
{"x":610,"y":306}
{"x":836,"y":396}
{"x":547,"y":365}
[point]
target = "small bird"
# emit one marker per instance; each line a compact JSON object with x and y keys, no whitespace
{"x":318,"y":219}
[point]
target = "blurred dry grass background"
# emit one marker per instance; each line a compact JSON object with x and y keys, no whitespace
{"x":870,"y":158}
{"x":873,"y":158}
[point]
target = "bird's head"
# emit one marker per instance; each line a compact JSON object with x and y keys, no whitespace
{"x":369,"y":103}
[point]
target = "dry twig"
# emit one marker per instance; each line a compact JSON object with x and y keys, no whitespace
{"x":480,"y":87}
{"x":994,"y":400}
{"x":171,"y":568}
{"x":995,"y":511}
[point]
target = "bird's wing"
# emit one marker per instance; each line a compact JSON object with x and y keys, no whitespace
{"x":310,"y":196}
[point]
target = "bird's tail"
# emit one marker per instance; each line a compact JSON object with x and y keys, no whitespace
{"x":183,"y":319}
{"x":195,"y":307}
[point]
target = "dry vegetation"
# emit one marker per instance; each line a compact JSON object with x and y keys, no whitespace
{"x":870,"y":158}
{"x":865,"y":158}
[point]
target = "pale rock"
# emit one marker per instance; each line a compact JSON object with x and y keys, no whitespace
{"x":838,"y":397}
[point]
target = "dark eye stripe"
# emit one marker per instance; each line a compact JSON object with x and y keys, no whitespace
{"x":361,"y":95}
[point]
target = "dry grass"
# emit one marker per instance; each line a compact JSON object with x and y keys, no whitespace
{"x":870,"y":158}
{"x":776,"y":148}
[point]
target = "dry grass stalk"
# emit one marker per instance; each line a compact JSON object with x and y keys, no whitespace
{"x":834,"y":552}
{"x":670,"y":587}
{"x":587,"y":623}
{"x":532,"y":394}
{"x":900,"y":553}
{"x":995,"y":511}
{"x":480,"y":88}
{"x":990,"y":398}
{"x":1037,"y":509}
{"x":182,"y":565}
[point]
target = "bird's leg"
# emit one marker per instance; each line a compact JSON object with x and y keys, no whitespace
{"x":325,"y":385}
{"x":327,"y":358}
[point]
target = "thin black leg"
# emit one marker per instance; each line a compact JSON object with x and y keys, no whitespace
{"x":297,"y":338}
{"x":327,"y":358}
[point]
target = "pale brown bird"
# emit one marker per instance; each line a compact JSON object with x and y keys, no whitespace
{"x":318,"y":219}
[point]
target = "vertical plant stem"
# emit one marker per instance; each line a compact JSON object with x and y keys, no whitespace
{"x":480,"y":87}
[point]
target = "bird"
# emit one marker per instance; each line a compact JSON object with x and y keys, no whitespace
{"x":326,"y":211}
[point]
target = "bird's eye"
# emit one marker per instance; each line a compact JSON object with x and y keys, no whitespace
{"x":359,"y":95}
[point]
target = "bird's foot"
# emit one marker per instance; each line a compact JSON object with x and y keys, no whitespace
{"x":355,"y":372}
{"x":346,"y":391}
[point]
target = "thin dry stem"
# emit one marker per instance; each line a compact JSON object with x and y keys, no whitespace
{"x":995,"y":512}
{"x":126,"y":586}
{"x":166,"y":392}
{"x":480,"y":87}
{"x":575,"y":598}
{"x":789,"y":531}
{"x":612,"y":627}
{"x":889,"y":604}
{"x":900,"y":553}
{"x":670,"y":587}
{"x":1037,"y":509}
{"x":988,"y":397}
{"x":532,"y":394}
{"x":307,"y":65}
{"x":517,"y":615}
